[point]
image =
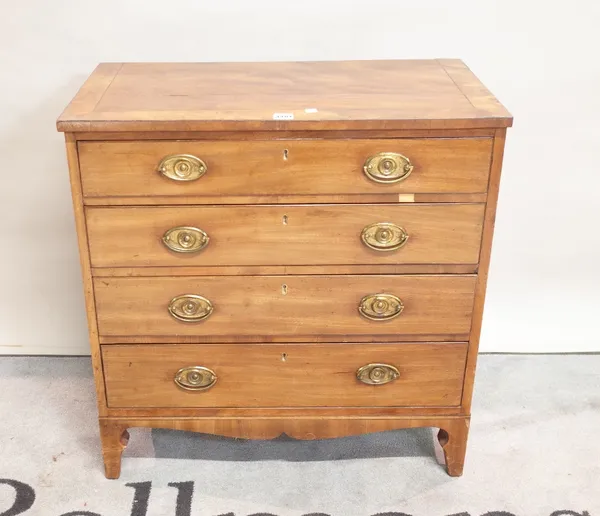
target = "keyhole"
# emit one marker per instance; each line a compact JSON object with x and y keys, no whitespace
{"x":284,"y":289}
{"x":285,"y":154}
{"x":283,"y":357}
{"x":285,"y":220}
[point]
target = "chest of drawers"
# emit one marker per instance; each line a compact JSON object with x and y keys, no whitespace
{"x":296,"y":248}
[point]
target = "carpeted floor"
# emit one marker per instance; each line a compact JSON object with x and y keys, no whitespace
{"x":533,"y":451}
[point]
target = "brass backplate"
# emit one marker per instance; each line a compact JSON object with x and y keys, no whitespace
{"x":387,"y":167}
{"x":380,"y":307}
{"x":384,"y":236}
{"x":185,"y":239}
{"x":182,"y":167}
{"x":377,"y":374}
{"x":190,"y":308}
{"x":195,"y":378}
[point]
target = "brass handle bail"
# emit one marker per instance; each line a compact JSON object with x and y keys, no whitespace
{"x":182,"y":167}
{"x":185,"y":239}
{"x":387,"y":167}
{"x":384,"y":236}
{"x":190,"y":308}
{"x":377,"y":374}
{"x":195,"y":378}
{"x":380,"y":307}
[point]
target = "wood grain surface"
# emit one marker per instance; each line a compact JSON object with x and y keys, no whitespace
{"x":114,"y":431}
{"x":280,"y":375}
{"x":277,"y":270}
{"x":285,"y":412}
{"x":364,"y":338}
{"x":284,"y":135}
{"x":394,"y":94}
{"x":379,"y":198}
{"x":284,"y":305}
{"x":484,"y":261}
{"x":84,"y":257}
{"x":292,"y":167}
{"x":284,"y":235}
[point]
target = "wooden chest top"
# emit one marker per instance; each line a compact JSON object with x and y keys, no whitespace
{"x":346,"y":95}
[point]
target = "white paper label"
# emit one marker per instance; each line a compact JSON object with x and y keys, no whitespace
{"x":283,"y":116}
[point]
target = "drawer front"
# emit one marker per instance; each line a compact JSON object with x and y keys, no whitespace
{"x":285,"y":235}
{"x":284,"y":375}
{"x":283,"y":167}
{"x":285,"y":305}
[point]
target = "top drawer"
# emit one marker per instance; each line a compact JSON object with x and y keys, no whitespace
{"x":284,"y":167}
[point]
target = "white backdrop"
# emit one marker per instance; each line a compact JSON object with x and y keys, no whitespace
{"x":539,"y":57}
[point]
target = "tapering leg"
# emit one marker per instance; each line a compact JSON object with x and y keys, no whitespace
{"x":114,"y":439}
{"x":453,"y":439}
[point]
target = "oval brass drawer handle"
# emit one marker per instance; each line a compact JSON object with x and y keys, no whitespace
{"x":384,"y":236}
{"x":388,"y":167}
{"x":377,"y":374}
{"x":195,"y":378}
{"x":182,"y":167}
{"x":190,"y":308}
{"x":185,"y":239}
{"x":380,"y":307}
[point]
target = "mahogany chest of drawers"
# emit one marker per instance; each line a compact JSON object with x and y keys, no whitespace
{"x":296,"y":248}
